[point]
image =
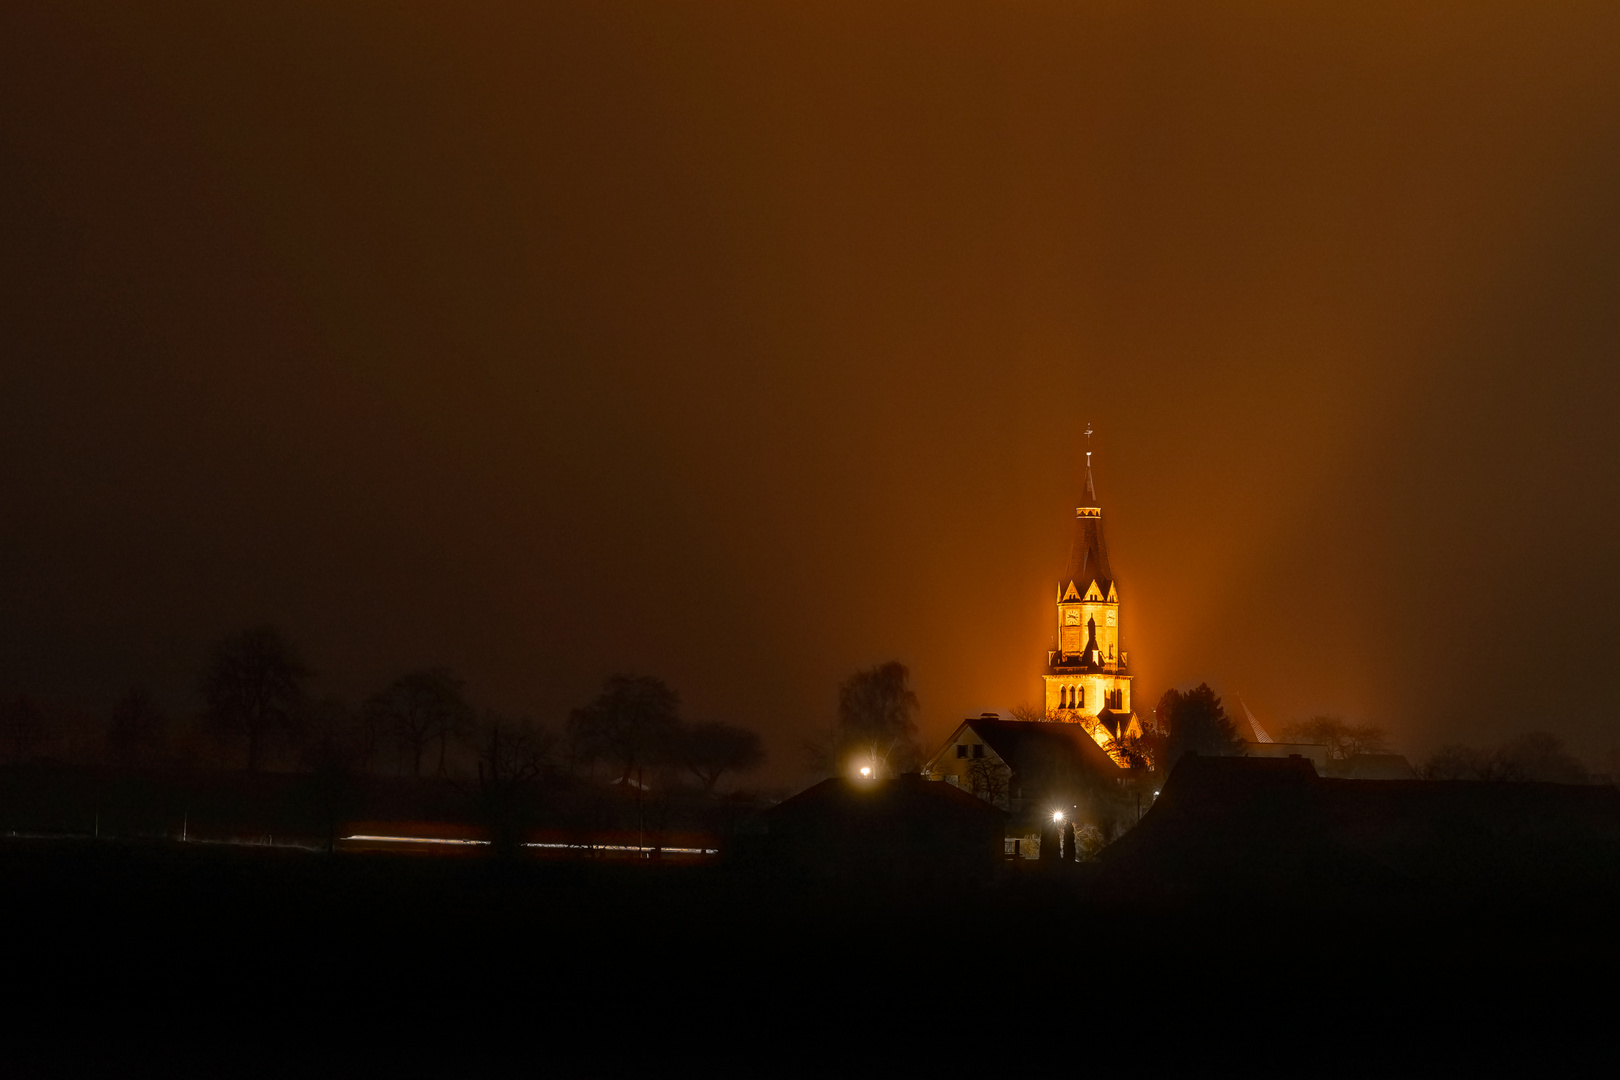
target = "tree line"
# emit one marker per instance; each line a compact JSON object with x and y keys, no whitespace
{"x":1196,"y":720}
{"x":260,"y":712}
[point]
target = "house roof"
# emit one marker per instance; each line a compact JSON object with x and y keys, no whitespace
{"x":902,"y":795}
{"x":1031,"y":747}
{"x":1272,"y":829}
{"x":1374,"y":767}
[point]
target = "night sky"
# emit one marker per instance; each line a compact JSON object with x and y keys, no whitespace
{"x":750,"y":344}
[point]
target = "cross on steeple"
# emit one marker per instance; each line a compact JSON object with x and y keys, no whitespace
{"x":1090,"y":491}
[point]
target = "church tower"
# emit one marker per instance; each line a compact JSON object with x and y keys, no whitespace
{"x":1088,"y":681}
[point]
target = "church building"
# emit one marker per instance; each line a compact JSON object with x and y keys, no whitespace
{"x":1085,"y":732}
{"x":1088,"y":677}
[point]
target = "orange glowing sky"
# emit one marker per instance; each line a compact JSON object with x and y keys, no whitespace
{"x":751,"y":344}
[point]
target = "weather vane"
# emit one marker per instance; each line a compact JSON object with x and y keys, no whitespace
{"x":1088,"y":444}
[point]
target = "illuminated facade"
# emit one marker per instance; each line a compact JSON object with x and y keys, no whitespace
{"x":1087,"y":677}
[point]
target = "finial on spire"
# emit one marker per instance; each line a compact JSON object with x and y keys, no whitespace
{"x":1090,"y":494}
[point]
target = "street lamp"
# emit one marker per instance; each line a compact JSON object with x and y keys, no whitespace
{"x":866,"y":770}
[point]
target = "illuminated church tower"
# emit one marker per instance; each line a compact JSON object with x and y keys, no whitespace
{"x":1087,"y":679}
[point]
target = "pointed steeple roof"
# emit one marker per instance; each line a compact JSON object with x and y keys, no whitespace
{"x":1088,"y":555}
{"x":1260,"y":733}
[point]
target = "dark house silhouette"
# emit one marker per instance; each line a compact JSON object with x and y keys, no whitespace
{"x":1039,"y":767}
{"x":1272,"y":828}
{"x":1045,"y":760}
{"x":904,"y":830}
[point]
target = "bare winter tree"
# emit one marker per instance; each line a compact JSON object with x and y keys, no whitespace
{"x":422,"y":709}
{"x":632,"y":724}
{"x":712,"y":748}
{"x":1343,"y":740}
{"x":135,"y":730}
{"x":1455,"y":761}
{"x":512,"y":757}
{"x":1534,"y":756}
{"x":876,"y":723}
{"x":990,"y":780}
{"x":253,"y":687}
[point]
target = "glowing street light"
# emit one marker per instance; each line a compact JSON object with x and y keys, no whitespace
{"x":1057,"y":815}
{"x":866,"y":770}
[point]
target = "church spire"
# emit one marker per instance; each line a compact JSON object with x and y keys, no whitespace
{"x":1088,"y":555}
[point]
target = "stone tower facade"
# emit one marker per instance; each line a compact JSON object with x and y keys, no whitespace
{"x":1088,"y":679}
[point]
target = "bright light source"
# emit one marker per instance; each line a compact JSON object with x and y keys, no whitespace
{"x":1057,"y":815}
{"x":866,"y":770}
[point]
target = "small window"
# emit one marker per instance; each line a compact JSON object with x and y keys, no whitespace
{"x":961,"y":751}
{"x":978,"y":750}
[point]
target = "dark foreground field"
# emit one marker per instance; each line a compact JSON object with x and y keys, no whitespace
{"x":640,"y":965}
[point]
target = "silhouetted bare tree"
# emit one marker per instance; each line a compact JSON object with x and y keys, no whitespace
{"x":1343,"y":740}
{"x":336,"y":749}
{"x":1455,"y":761}
{"x":876,"y":723}
{"x":253,"y":686}
{"x":422,"y":709}
{"x":990,"y":781}
{"x":335,"y":730}
{"x":632,"y":724}
{"x":135,"y":733}
{"x":1534,"y":756}
{"x":712,"y":748}
{"x":1540,"y":755}
{"x":512,"y":757}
